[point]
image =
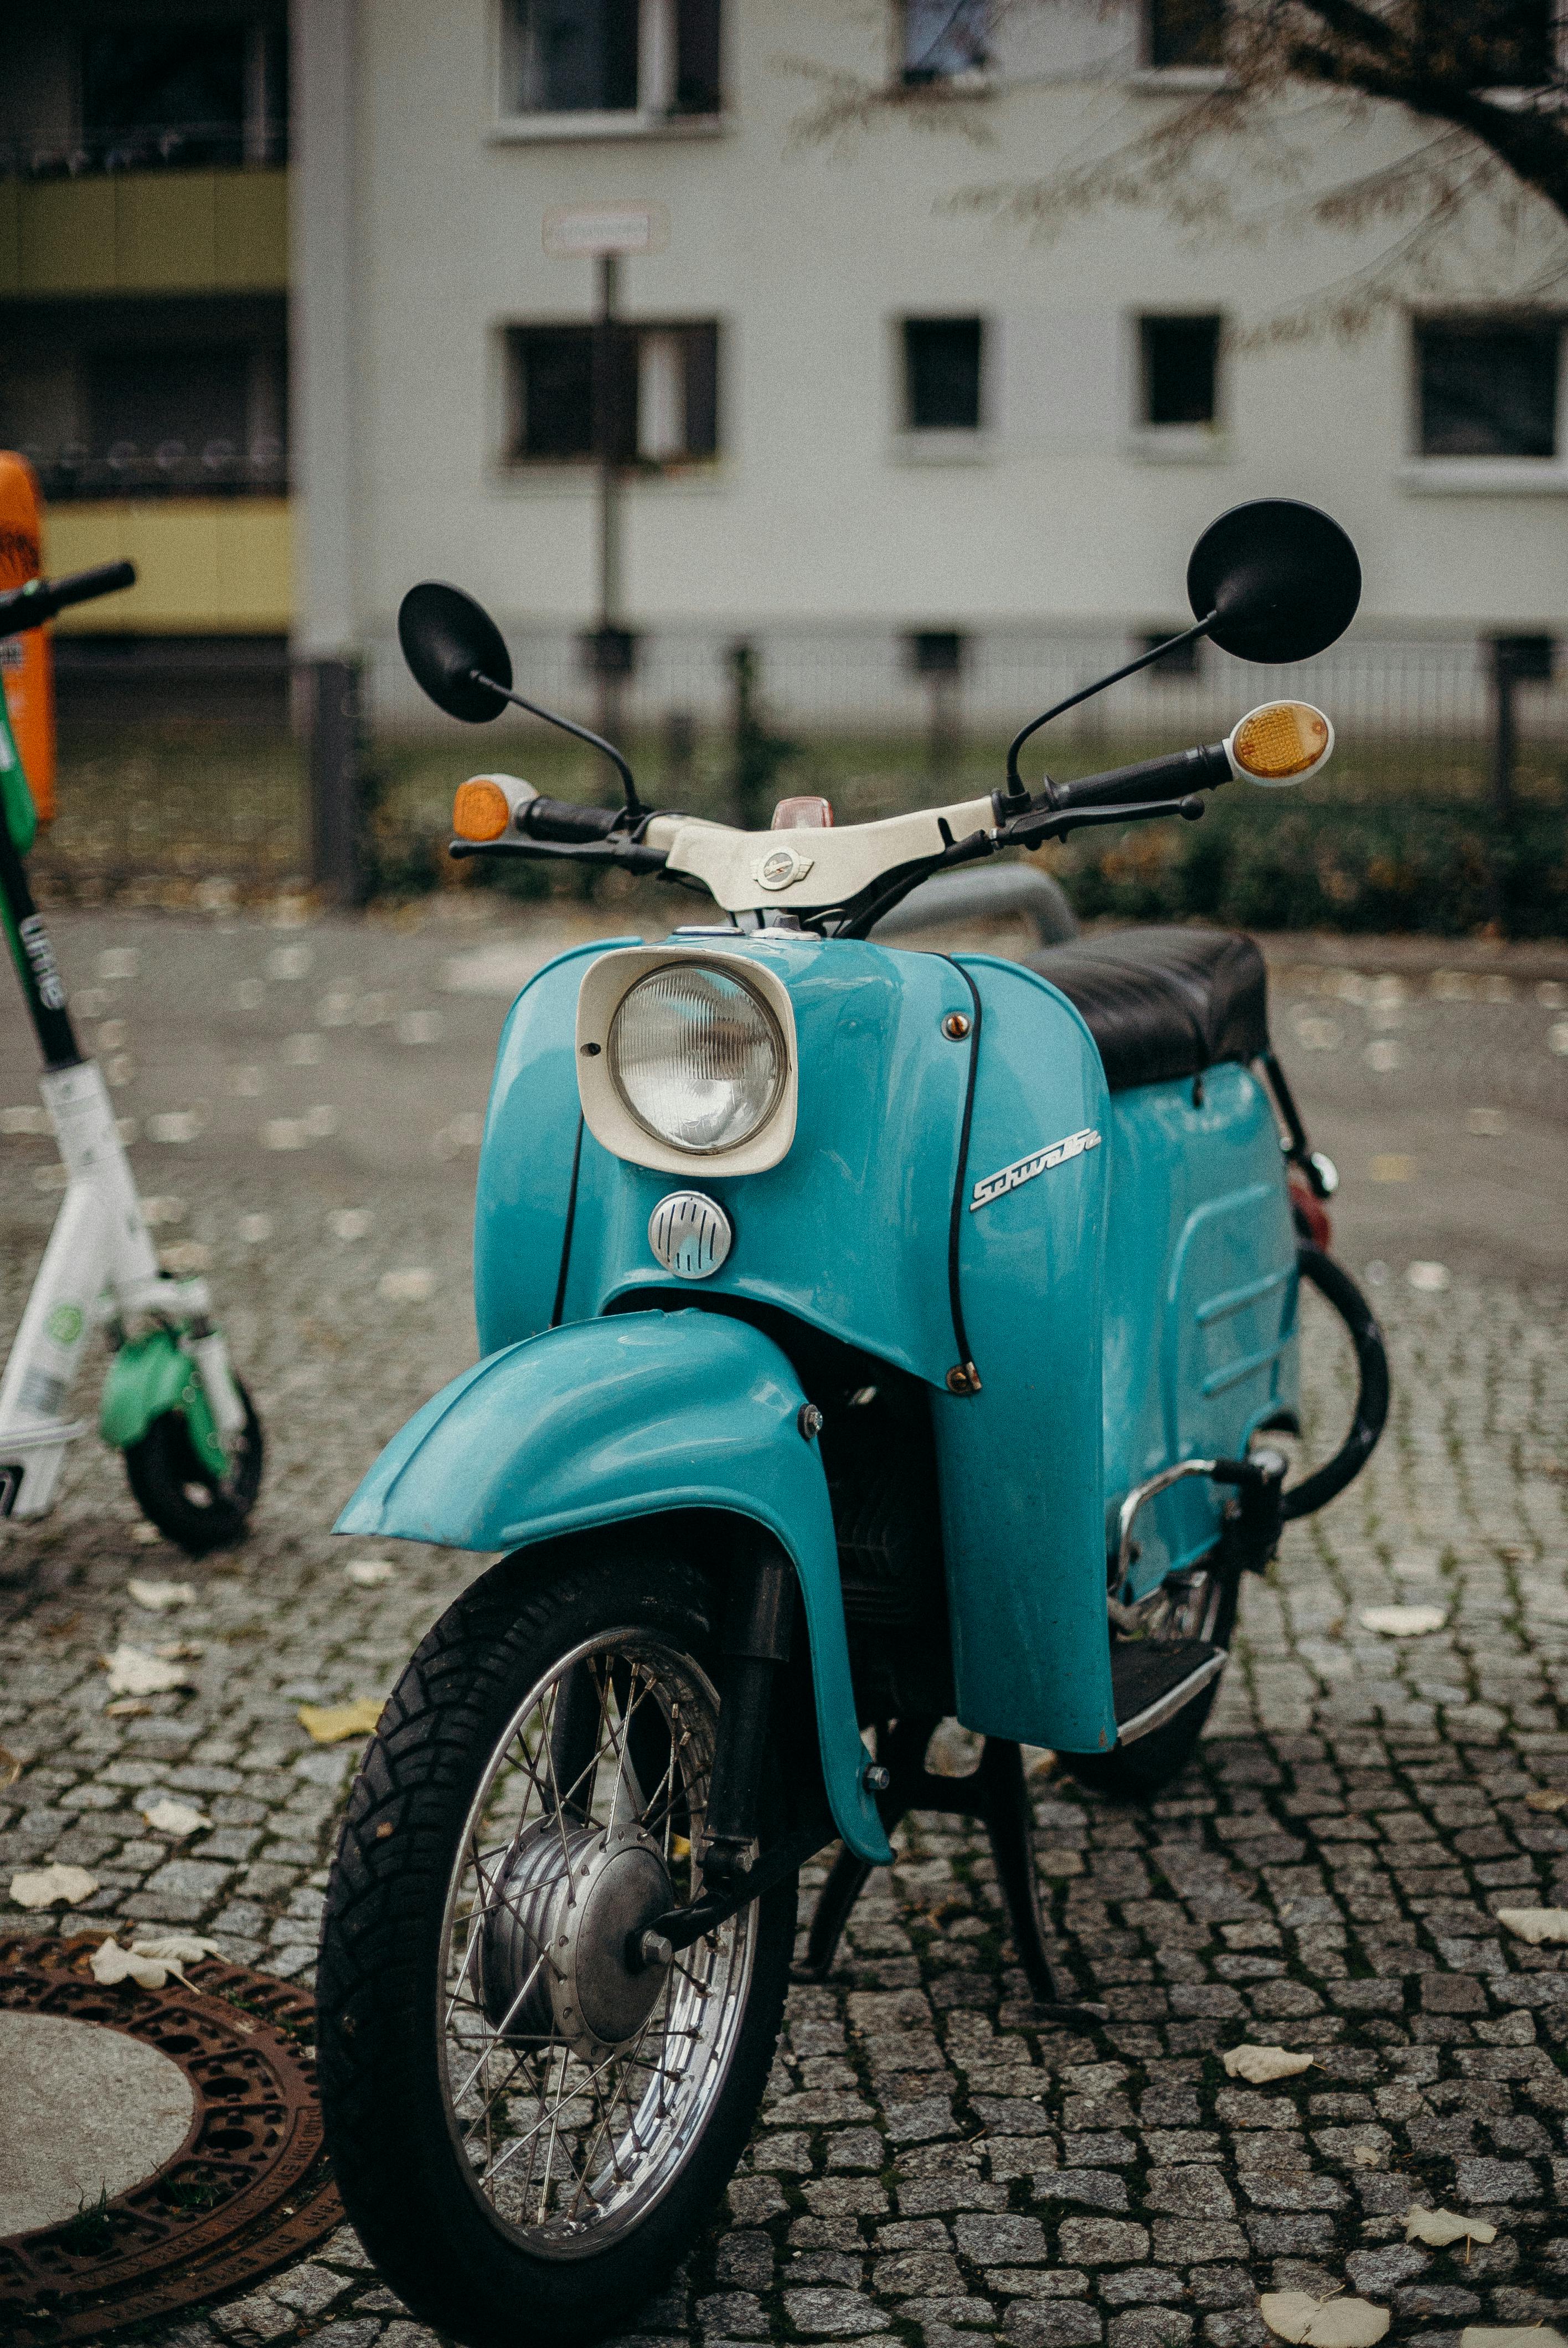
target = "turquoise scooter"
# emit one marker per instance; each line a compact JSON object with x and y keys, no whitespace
{"x":868,"y":1338}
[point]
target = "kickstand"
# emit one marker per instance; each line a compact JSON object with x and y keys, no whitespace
{"x":997,"y":1793}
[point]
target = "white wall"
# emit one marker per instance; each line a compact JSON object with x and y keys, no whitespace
{"x":808,"y":252}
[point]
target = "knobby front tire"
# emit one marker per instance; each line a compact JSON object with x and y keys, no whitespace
{"x":526,"y":2128}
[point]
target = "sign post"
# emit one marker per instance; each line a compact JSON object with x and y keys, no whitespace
{"x":602,"y":232}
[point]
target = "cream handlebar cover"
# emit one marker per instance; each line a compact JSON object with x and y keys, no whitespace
{"x":746,"y":871}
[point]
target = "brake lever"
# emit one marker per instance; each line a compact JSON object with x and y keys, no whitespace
{"x":1048,"y":823}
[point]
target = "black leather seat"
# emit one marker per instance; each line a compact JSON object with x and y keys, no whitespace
{"x":1162,"y":1004}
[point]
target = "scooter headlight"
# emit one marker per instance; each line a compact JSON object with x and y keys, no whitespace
{"x":697,"y":1057}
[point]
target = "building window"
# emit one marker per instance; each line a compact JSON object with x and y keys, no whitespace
{"x":109,"y":400}
{"x":197,"y":96}
{"x":655,"y":402}
{"x":1180,"y":370}
{"x":1181,"y":660}
{"x":1488,"y":387}
{"x":942,"y":374}
{"x":611,"y":56}
{"x":944,"y":38}
{"x":1185,"y":33}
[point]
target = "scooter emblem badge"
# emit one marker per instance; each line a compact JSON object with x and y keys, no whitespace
{"x":689,"y":1234}
{"x":780,"y":867}
{"x":1038,"y":1161}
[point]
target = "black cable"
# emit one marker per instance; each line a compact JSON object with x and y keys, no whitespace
{"x":965,"y":1363}
{"x":559,"y":1305}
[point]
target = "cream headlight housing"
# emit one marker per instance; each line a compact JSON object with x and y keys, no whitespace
{"x":686,"y":1057}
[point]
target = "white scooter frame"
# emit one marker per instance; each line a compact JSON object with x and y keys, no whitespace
{"x":101,"y":1268}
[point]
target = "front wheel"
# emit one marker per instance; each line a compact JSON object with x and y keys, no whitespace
{"x":176,"y":1490}
{"x":527,"y":2125}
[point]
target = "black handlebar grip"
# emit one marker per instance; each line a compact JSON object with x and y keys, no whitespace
{"x":31,"y":605}
{"x":85,"y":586}
{"x":564,"y":820}
{"x":1170,"y":778}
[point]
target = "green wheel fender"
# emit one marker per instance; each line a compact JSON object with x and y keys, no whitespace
{"x":148,"y":1377}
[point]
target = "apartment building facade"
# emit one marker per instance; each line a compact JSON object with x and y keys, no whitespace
{"x":292,"y":330}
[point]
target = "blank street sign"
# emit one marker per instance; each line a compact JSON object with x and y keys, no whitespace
{"x":573,"y":231}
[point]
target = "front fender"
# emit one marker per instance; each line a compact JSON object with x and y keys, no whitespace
{"x":631,"y":1415}
{"x":148,"y":1377}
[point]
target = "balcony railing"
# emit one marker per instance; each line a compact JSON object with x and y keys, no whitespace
{"x":145,"y":146}
{"x":218,"y":468}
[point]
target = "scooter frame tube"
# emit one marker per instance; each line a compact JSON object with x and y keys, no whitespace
{"x":100,"y":1261}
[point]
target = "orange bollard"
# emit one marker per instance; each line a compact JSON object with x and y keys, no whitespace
{"x":26,"y":668}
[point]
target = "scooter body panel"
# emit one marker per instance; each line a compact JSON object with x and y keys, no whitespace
{"x":1019,"y":1463}
{"x":1200,"y":1299}
{"x":848,"y":1232}
{"x":631,"y":1415}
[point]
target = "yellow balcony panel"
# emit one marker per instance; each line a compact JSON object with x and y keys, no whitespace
{"x":207,"y":566}
{"x":166,"y":238}
{"x":10,"y":237}
{"x":67,"y":237}
{"x":252,"y":231}
{"x":148,"y":232}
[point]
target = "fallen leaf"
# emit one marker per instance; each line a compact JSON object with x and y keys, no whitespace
{"x":1323,"y":2322}
{"x":10,"y":1769}
{"x":129,"y":1707}
{"x":1441,"y":2227}
{"x":111,"y":1964}
{"x":158,"y":1597}
{"x":181,"y":1651}
{"x":53,"y":1885}
{"x":1259,"y":2063}
{"x":1404,"y":1621}
{"x":173,"y":1818}
{"x":369,"y":1572}
{"x":1535,"y":1924}
{"x":1366,"y":2155}
{"x":1511,"y":2335}
{"x":185,"y":1946}
{"x":1546,"y":1797}
{"x":329,"y":1723}
{"x":134,"y":1671}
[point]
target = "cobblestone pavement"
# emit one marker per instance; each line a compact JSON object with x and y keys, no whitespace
{"x":930,"y":2167}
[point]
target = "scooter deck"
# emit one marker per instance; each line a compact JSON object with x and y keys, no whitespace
{"x":1153,"y":1679}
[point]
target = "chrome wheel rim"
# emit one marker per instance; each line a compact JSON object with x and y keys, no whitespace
{"x":577,"y":2081}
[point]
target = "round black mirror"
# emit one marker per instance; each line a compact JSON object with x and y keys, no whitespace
{"x":445,"y":637}
{"x":1283,"y":577}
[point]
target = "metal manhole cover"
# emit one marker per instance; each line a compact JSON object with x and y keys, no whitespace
{"x":232,"y":2178}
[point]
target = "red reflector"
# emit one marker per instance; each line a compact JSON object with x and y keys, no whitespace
{"x":802,"y":815}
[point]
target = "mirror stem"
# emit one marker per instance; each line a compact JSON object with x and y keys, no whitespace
{"x":1017,"y":792}
{"x":634,"y":806}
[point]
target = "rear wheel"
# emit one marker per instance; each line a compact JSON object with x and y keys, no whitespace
{"x":1199,"y":1604}
{"x":178,"y":1492}
{"x":528,"y":2126}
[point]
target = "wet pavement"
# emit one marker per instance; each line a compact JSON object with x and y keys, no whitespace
{"x":930,"y":2165}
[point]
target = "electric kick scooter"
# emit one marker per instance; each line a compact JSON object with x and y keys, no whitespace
{"x":171,"y":1403}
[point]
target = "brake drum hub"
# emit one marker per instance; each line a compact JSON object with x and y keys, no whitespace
{"x":577,"y":1897}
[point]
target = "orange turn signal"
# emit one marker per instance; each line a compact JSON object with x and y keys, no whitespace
{"x":480,"y":810}
{"x":1283,"y":742}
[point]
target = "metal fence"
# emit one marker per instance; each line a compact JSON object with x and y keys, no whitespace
{"x":172,"y":778}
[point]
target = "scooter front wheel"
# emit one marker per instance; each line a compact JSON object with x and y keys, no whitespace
{"x":178,"y":1492}
{"x":529,"y":2114}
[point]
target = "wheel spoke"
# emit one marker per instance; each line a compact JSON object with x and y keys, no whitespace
{"x":567,"y":2132}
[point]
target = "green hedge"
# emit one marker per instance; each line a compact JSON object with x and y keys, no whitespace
{"x":1266,"y":863}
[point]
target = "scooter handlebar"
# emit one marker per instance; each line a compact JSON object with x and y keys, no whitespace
{"x":566,"y":822}
{"x":31,"y":605}
{"x":1170,"y":778}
